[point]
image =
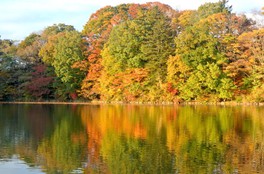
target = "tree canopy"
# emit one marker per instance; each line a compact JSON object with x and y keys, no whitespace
{"x":139,"y":53}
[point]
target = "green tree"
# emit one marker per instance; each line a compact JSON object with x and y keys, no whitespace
{"x":210,"y":8}
{"x":29,"y":48}
{"x":55,"y":29}
{"x":145,"y":42}
{"x":14,"y":75}
{"x":200,"y":49}
{"x":37,"y":82}
{"x":62,"y":51}
{"x":158,"y":43}
{"x":14,"y":72}
{"x":97,"y":31}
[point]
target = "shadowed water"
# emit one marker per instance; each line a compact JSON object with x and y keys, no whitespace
{"x":116,"y":139}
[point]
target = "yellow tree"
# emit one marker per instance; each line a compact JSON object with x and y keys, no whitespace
{"x":252,"y":48}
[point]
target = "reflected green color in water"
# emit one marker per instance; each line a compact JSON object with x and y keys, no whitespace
{"x":133,"y":139}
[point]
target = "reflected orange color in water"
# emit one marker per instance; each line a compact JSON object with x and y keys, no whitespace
{"x":222,"y":130}
{"x":136,"y":139}
{"x":99,"y":122}
{"x":128,"y":121}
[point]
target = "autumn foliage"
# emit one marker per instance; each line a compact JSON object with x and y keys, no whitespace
{"x":140,"y":53}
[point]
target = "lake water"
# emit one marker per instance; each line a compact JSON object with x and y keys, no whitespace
{"x":38,"y":139}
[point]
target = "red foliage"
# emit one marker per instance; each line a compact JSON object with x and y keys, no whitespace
{"x":133,"y":10}
{"x":39,"y":85}
{"x":172,"y":90}
{"x":73,"y":96}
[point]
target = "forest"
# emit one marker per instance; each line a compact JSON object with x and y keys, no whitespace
{"x":139,"y":53}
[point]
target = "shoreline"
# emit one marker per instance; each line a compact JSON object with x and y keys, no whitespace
{"x":230,"y":103}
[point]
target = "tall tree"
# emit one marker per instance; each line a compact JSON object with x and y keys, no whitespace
{"x":210,"y":8}
{"x":29,"y":48}
{"x":62,"y":51}
{"x":97,"y":31}
{"x":13,"y":72}
{"x":158,"y":43}
{"x":199,"y":49}
{"x":144,"y":42}
{"x":252,"y":50}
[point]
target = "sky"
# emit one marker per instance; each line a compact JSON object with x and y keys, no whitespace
{"x":19,"y":18}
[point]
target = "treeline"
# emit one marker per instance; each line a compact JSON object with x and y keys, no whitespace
{"x":140,"y":52}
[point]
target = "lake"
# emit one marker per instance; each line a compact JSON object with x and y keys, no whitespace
{"x":38,"y":139}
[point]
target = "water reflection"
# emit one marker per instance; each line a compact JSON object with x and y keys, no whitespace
{"x":134,"y":139}
{"x":15,"y":165}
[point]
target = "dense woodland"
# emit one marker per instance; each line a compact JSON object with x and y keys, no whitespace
{"x":139,"y":53}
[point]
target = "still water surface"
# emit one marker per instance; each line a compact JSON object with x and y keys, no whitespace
{"x":38,"y":139}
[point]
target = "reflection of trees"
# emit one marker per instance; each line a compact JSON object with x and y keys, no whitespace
{"x":51,"y":136}
{"x":129,"y":155}
{"x":127,"y":139}
{"x":21,"y":127}
{"x":133,"y":139}
{"x":11,"y":132}
{"x":63,"y":149}
{"x":217,"y":139}
{"x":246,"y":151}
